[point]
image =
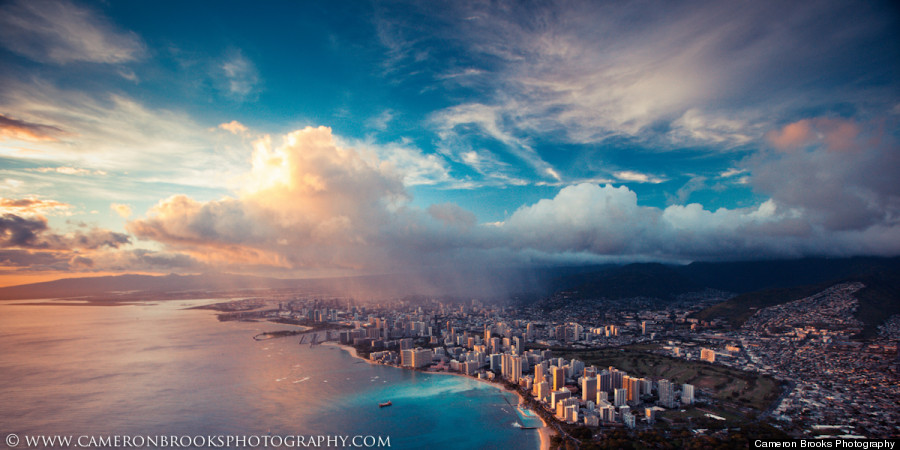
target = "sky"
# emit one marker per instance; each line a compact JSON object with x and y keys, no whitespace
{"x":312,"y":139}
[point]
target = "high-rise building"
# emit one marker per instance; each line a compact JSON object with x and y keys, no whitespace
{"x":633,"y":387}
{"x":602,"y":397}
{"x":406,"y":358}
{"x":588,"y":389}
{"x":666,"y":393}
{"x":559,"y":377}
{"x":617,"y":377}
{"x":421,"y":357}
{"x":543,"y":390}
{"x":604,"y":382}
{"x":556,"y":396}
{"x":621,"y":397}
{"x":560,"y":332}
{"x":538,"y":373}
{"x":628,"y":419}
{"x":608,"y":414}
{"x":496,"y":362}
{"x":496,"y":345}
{"x":646,"y":386}
{"x":651,"y":415}
{"x":511,"y":367}
{"x":572,"y":413}
{"x":687,"y":394}
{"x":708,"y":355}
{"x":576,"y":368}
{"x":517,"y":363}
{"x":577,"y":331}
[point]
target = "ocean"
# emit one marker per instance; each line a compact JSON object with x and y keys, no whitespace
{"x":157,"y":368}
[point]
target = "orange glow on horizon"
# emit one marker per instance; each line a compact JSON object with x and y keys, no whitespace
{"x":13,"y":278}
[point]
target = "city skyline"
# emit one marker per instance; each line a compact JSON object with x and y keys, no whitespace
{"x":295,"y":140}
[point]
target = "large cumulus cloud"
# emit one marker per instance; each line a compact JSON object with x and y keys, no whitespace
{"x":841,"y":172}
{"x":34,"y":233}
{"x":312,"y":204}
{"x":608,"y":223}
{"x":307,"y":203}
{"x":28,"y":243}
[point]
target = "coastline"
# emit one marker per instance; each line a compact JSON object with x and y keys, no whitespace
{"x":544,"y":432}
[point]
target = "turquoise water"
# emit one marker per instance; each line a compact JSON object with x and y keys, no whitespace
{"x":161,"y":369}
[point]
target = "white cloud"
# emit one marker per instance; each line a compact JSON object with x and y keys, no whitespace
{"x":608,"y":222}
{"x":61,"y":32}
{"x":703,"y":73}
{"x":637,"y":177}
{"x":696,"y":183}
{"x":841,"y":173}
{"x":308,"y":203}
{"x":30,"y":206}
{"x":115,"y":133}
{"x":240,"y":75}
{"x":414,"y":166}
{"x":452,"y":123}
{"x":68,"y":170}
{"x":381,"y":121}
{"x":695,"y":127}
{"x":233,"y":127}
{"x":122,"y":210}
{"x":732,"y":172}
{"x":312,"y":203}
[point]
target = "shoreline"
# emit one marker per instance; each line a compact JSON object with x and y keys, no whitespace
{"x":545,"y":432}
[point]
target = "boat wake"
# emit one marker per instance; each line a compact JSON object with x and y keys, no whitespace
{"x":301,"y":380}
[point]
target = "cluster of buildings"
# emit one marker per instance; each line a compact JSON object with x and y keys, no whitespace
{"x":586,"y":395}
{"x":831,"y":379}
{"x":567,"y":389}
{"x":835,"y":381}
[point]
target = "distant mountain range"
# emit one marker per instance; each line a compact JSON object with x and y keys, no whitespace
{"x":522,"y":282}
{"x":756,"y":284}
{"x":667,"y":281}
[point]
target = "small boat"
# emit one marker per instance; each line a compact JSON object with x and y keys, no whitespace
{"x":387,"y":403}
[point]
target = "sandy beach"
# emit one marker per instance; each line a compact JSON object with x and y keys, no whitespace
{"x":545,"y":432}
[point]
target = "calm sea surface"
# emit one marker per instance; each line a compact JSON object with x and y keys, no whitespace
{"x":161,"y":369}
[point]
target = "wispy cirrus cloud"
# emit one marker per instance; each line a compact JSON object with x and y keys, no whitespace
{"x":26,"y":131}
{"x":65,"y":170}
{"x":452,"y":124}
{"x":702,"y":73}
{"x":22,"y":206}
{"x":239,"y":76}
{"x":637,"y":177}
{"x":115,"y":133}
{"x":62,"y":32}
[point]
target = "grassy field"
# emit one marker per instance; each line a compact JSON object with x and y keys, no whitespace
{"x":727,"y":384}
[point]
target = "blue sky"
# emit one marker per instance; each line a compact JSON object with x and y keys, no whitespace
{"x":303,"y":139}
